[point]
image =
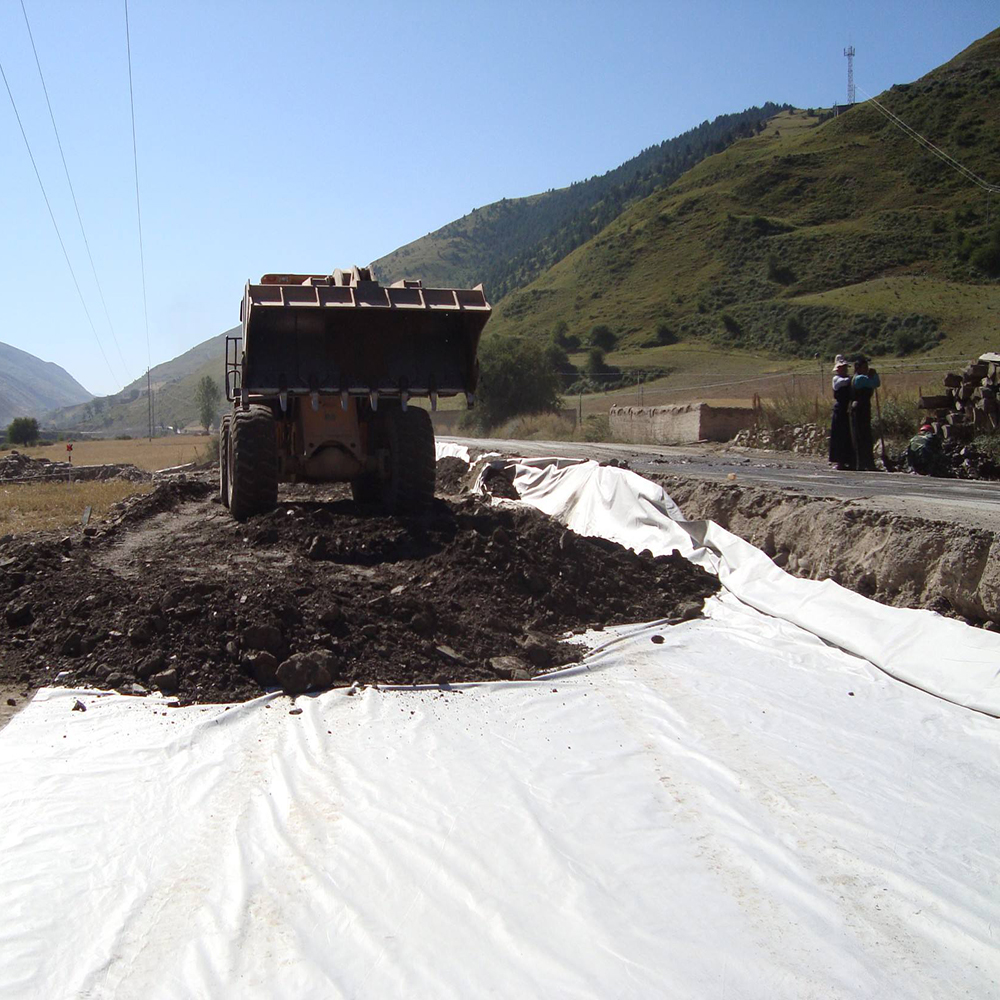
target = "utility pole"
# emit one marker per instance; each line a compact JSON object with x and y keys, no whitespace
{"x":149,"y":405}
{"x":849,"y":52}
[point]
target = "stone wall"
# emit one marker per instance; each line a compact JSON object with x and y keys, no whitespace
{"x":682,"y":424}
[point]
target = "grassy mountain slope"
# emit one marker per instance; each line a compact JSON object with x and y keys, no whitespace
{"x":173,"y":383}
{"x":30,"y":387}
{"x":815,"y":236}
{"x":508,"y":243}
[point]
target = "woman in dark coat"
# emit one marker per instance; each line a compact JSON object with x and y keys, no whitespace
{"x":841,"y":447}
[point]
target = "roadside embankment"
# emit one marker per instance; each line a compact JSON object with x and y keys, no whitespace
{"x":895,"y":559}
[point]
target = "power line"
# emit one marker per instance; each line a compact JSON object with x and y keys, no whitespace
{"x":138,"y":215}
{"x":79,"y":218}
{"x":931,"y":147}
{"x":55,"y":225}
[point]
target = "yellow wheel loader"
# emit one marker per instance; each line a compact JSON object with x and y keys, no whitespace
{"x":322,"y":379}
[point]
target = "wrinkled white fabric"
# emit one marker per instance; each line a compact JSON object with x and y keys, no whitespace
{"x":448,"y":449}
{"x":741,"y":810}
{"x":940,"y":655}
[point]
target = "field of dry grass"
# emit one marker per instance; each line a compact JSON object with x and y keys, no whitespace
{"x":38,"y":506}
{"x":160,"y":453}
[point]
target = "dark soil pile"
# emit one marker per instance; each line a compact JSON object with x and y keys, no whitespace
{"x":499,"y":482}
{"x":451,"y":473}
{"x":178,"y":596}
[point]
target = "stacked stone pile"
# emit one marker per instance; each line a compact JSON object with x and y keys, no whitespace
{"x":806,"y":439}
{"x":968,"y":406}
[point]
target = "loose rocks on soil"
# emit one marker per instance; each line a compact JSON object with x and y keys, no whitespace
{"x":176,"y":596}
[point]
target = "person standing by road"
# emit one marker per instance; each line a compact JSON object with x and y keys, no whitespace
{"x":841,"y":449}
{"x":863,"y":385}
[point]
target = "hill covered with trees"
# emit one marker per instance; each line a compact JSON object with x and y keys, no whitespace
{"x":508,"y":243}
{"x":815,"y":235}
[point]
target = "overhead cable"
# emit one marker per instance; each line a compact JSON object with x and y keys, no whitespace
{"x":138,"y":215}
{"x":79,"y":218}
{"x":931,"y":147}
{"x":55,"y":225}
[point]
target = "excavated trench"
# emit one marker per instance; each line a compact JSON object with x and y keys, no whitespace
{"x":901,"y":561}
{"x":173,"y":594}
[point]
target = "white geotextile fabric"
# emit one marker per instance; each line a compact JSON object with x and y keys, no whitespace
{"x":740,"y":811}
{"x":940,"y":655}
{"x":449,"y":449}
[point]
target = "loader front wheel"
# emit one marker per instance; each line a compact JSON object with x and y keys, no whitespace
{"x":409,"y":435}
{"x":253,"y":463}
{"x":224,"y":460}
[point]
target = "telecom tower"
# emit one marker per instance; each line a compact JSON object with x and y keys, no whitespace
{"x":849,"y":52}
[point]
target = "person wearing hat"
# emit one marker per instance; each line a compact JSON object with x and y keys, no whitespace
{"x":924,"y":454}
{"x":841,"y":449}
{"x":863,"y":386}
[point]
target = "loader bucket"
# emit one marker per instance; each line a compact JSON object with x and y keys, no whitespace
{"x":344,"y":333}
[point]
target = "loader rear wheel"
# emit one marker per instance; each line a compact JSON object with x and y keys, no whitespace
{"x":409,"y":435}
{"x":253,"y":463}
{"x":224,"y":460}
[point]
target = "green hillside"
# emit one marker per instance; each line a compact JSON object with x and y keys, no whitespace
{"x":173,"y":384}
{"x":508,"y":243}
{"x":820,"y":234}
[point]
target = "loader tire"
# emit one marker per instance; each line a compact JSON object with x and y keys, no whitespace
{"x":409,"y":435}
{"x":253,"y":463}
{"x":224,"y":460}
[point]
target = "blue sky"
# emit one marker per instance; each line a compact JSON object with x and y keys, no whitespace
{"x":307,"y":136}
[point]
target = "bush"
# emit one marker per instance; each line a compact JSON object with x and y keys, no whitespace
{"x":901,"y":417}
{"x":23,"y":430}
{"x":776,"y":271}
{"x":515,"y":378}
{"x":595,"y":362}
{"x":987,"y":258}
{"x":540,"y":427}
{"x":597,"y":427}
{"x":795,"y":329}
{"x":603,"y":336}
{"x":665,"y":334}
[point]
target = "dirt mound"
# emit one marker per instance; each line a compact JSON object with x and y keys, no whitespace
{"x":498,"y":481}
{"x":167,"y":495}
{"x":182,"y":598}
{"x":451,"y":473}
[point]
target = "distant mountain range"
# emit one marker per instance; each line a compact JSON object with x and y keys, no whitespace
{"x":173,"y":384}
{"x":30,"y":387}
